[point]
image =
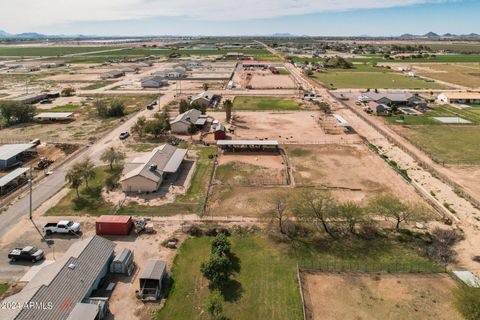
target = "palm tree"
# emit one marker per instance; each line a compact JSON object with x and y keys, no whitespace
{"x":228,"y":109}
{"x":74,"y":179}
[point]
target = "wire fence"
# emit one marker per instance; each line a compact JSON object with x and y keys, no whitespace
{"x":372,"y":266}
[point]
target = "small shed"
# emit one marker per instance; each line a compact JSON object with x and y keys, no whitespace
{"x":220,"y":132}
{"x":114,"y":225}
{"x":151,"y":280}
{"x":123,"y":262}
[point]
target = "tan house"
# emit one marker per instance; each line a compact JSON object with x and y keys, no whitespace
{"x":145,"y":174}
{"x":459,"y":97}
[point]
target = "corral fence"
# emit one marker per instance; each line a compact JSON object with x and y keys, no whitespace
{"x":371,"y":266}
{"x":322,"y":142}
{"x":252,"y":182}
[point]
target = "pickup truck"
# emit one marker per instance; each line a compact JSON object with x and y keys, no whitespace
{"x":63,"y":226}
{"x":28,"y":253}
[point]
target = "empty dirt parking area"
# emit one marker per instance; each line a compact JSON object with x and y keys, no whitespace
{"x":368,"y":296}
{"x":351,"y":171}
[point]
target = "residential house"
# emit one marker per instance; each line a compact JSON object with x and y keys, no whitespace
{"x":146,"y":174}
{"x":153,"y":82}
{"x":184,"y":120}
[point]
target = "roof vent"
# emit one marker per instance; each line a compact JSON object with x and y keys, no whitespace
{"x":71,"y":266}
{"x":152,"y":167}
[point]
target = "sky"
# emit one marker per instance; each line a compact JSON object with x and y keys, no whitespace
{"x":240,"y":17}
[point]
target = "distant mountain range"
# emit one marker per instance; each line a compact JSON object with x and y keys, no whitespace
{"x":433,"y":36}
{"x":407,"y":36}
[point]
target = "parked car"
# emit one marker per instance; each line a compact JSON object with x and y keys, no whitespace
{"x":63,"y":226}
{"x":124,"y":135}
{"x":28,"y":253}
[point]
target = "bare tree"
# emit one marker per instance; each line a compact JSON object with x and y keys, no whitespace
{"x":317,"y":207}
{"x":279,"y":212}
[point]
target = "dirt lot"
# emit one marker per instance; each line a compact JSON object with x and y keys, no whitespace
{"x":285,"y":127}
{"x":346,"y":166}
{"x":342,"y":296}
{"x":123,"y":303}
{"x":262,"y":79}
{"x":250,"y":168}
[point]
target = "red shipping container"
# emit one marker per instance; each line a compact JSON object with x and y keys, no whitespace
{"x":114,"y":225}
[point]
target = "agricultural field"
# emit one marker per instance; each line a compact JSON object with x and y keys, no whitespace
{"x":371,"y":77}
{"x":264,"y":288}
{"x":47,"y":51}
{"x":264,"y":103}
{"x":337,"y":167}
{"x":448,"y":144}
{"x":160,"y":52}
{"x":467,"y":75}
{"x":349,"y":296}
{"x":454,"y":58}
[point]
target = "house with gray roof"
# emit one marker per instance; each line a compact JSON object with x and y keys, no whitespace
{"x":397,"y":98}
{"x":66,"y":285}
{"x":183,"y":121}
{"x":146,"y":174}
{"x":153,"y":82}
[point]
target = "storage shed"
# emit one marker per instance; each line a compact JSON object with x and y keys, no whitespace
{"x":114,"y":225}
{"x":151,"y":280}
{"x":123,"y":262}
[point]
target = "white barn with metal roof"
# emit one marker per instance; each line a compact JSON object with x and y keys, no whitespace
{"x":9,"y":153}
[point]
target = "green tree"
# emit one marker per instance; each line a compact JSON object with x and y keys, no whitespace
{"x":228,"y":105}
{"x":155,"y":127}
{"x":214,"y":305}
{"x":351,"y":214}
{"x":101,"y":107}
{"x":184,"y":106}
{"x":67,"y":92}
{"x":192,"y":129}
{"x":116,"y":109}
{"x":87,"y":170}
{"x":392,"y":207}
{"x":16,"y":112}
{"x":205,"y":87}
{"x":139,"y":126}
{"x":74,"y":178}
{"x":220,"y":245}
{"x":112,"y":156}
{"x":217,"y":269}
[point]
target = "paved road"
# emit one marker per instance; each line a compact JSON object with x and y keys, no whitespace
{"x":53,"y":183}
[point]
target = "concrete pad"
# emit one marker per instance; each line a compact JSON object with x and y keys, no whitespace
{"x":32,"y":272}
{"x":452,"y":120}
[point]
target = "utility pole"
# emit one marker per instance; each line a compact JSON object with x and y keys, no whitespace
{"x":30,"y":187}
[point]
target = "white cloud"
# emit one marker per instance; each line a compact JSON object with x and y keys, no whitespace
{"x":27,"y":14}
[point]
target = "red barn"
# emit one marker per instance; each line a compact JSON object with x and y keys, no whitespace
{"x":220,"y":132}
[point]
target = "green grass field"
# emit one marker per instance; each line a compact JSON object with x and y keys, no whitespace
{"x":147,"y":52}
{"x":90,"y":201}
{"x":266,"y":286}
{"x":66,"y":108}
{"x":46,"y":51}
{"x":96,"y":85}
{"x":448,"y":144}
{"x":438,"y":111}
{"x":458,"y":58}
{"x":3,"y":288}
{"x":264,"y":103}
{"x":371,"y":77}
{"x":267,"y":57}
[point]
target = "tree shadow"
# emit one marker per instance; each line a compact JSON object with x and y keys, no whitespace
{"x":232,"y":291}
